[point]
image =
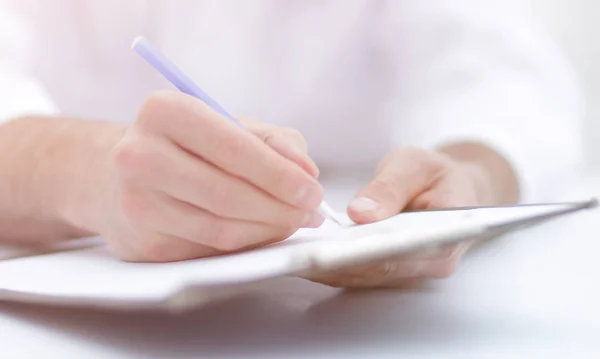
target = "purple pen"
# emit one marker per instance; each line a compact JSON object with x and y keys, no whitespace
{"x":175,"y":75}
{"x":186,"y":85}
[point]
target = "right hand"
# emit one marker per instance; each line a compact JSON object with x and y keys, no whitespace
{"x":189,"y":183}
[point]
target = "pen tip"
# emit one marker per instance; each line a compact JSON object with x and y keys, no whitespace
{"x":335,"y":220}
{"x":326,"y":211}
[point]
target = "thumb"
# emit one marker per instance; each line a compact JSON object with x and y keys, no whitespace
{"x":401,"y":177}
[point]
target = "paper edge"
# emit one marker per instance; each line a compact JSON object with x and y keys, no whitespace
{"x":305,"y":264}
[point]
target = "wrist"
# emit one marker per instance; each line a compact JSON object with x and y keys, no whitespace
{"x":85,"y":199}
{"x":49,"y":165}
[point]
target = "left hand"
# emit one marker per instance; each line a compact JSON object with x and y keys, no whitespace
{"x":414,"y":179}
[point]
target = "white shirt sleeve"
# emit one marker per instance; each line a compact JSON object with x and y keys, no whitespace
{"x":481,"y":70}
{"x":20,"y":92}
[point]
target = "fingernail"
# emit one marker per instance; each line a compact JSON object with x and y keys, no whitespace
{"x":363,"y":204}
{"x":308,"y":197}
{"x":313,"y":220}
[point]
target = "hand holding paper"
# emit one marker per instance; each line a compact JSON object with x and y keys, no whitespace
{"x":416,"y":179}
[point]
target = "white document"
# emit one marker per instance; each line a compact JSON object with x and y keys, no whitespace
{"x":92,"y":277}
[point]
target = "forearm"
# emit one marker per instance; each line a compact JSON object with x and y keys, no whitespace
{"x":47,"y":165}
{"x":494,"y":175}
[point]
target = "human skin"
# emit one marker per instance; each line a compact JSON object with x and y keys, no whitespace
{"x":181,"y":182}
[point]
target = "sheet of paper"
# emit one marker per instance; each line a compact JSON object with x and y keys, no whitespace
{"x":93,"y":277}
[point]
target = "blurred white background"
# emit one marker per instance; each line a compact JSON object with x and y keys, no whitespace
{"x":576,"y":26}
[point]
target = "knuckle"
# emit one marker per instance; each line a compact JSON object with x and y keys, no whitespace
{"x":445,"y":253}
{"x":284,"y":216}
{"x":287,"y":176}
{"x":281,"y":234}
{"x":135,"y":208}
{"x":292,"y":134}
{"x":122,"y":246}
{"x":221,"y":198}
{"x":379,"y":272}
{"x":295,"y":187}
{"x":293,"y":218}
{"x":125,"y":155}
{"x":260,"y":129}
{"x":432,"y":168}
{"x":367,"y":277}
{"x":223,"y":237}
{"x":422,"y":161}
{"x":156,"y":107}
{"x":134,"y":157}
{"x":140,"y":247}
{"x":128,"y":255}
{"x":387,"y":187}
{"x":269,"y":135}
{"x":434,"y":202}
{"x":155,"y":250}
{"x":231,"y":149}
{"x":427,"y":162}
{"x":197,"y":232}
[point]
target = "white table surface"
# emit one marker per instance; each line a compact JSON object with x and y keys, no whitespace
{"x":535,"y":294}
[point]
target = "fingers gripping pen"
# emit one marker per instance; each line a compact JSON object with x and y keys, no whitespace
{"x":186,"y":85}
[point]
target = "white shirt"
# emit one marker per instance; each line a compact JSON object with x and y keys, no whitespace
{"x":356,"y":77}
